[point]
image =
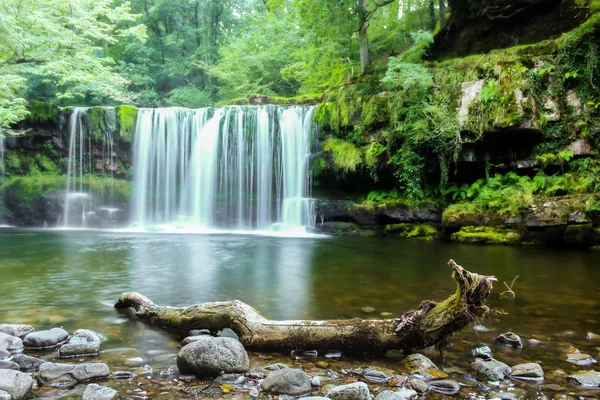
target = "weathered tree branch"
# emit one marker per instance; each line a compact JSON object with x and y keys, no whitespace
{"x":430,"y":325}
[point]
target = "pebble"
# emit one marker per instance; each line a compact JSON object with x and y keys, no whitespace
{"x":352,"y":391}
{"x":581,"y":359}
{"x":509,"y":339}
{"x":482,"y":352}
{"x":419,"y":386}
{"x":527,"y":371}
{"x":445,"y":386}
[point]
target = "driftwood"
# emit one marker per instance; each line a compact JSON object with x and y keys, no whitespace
{"x":431,"y":324}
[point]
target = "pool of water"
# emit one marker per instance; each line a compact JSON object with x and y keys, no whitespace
{"x":73,"y":278}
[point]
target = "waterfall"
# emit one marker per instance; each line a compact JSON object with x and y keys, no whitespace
{"x":236,"y":168}
{"x":2,"y":183}
{"x":76,"y":200}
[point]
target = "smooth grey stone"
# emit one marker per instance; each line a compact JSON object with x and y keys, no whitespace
{"x":293,"y":382}
{"x":16,"y":383}
{"x":70,"y":350}
{"x":123,"y":375}
{"x":527,"y":371}
{"x":85,"y":336}
{"x":445,"y":386}
{"x":420,"y":386}
{"x":67,"y":375}
{"x":228,"y":333}
{"x":135,"y":362}
{"x":227,"y":378}
{"x":10,"y":343}
{"x":503,"y":396}
{"x":18,"y":330}
{"x":4,"y":395}
{"x":313,"y":398}
{"x":45,"y":339}
{"x":83,"y":372}
{"x":402,"y":394}
{"x":491,"y":370}
{"x":4,"y":354}
{"x":581,"y":359}
{"x":482,"y":352}
{"x":198,"y":332}
{"x":373,"y":375}
{"x":97,"y":392}
{"x":585,"y":378}
{"x":27,"y":363}
{"x":208,"y":356}
{"x":351,"y":391}
{"x":418,"y":364}
{"x":509,"y":339}
{"x":6,"y":364}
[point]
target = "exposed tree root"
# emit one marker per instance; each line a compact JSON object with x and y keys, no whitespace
{"x":431,"y":324}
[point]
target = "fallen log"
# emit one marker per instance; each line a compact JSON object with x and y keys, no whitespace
{"x":431,"y":324}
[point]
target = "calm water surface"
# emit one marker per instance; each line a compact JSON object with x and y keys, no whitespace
{"x":72,"y":279}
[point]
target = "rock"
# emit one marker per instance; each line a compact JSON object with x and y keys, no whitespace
{"x":208,"y":356}
{"x":18,"y":330}
{"x":581,"y":147}
{"x":420,"y":386}
{"x":469,"y":92}
{"x":17,"y":384}
{"x":372,"y":375}
{"x":288,"y":381}
{"x":553,"y":387}
{"x":584,"y":378}
{"x":368,"y":310}
{"x":85,"y":336}
{"x":418,"y":364}
{"x":198,"y":332}
{"x":4,"y":395}
{"x":322,"y":364}
{"x":581,"y":359}
{"x":480,"y":328}
{"x":79,"y":350}
{"x":6,"y":364}
{"x":313,"y":398}
{"x":445,"y":386}
{"x":10,"y":343}
{"x":276,"y":366}
{"x":27,"y":363}
{"x":316,"y":381}
{"x":351,"y":391}
{"x":226,"y":378}
{"x":503,"y":396}
{"x":135,"y":362}
{"x":4,"y":354}
{"x":97,"y":392}
{"x":527,"y":371}
{"x":125,"y":375}
{"x":592,"y":336}
{"x":509,"y":339}
{"x":482,"y":352}
{"x":402,"y":394}
{"x":67,"y":375}
{"x":45,"y":339}
{"x":491,"y":370}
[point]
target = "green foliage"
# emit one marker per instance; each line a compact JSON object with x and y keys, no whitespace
{"x":13,"y":107}
{"x":373,"y":153}
{"x":485,"y":235}
{"x":378,"y":196}
{"x":412,"y":231}
{"x":126,"y":119}
{"x":346,"y":156}
{"x":43,"y":112}
{"x":408,"y":169}
{"x":189,"y":96}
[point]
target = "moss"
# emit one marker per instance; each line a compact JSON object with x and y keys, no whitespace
{"x":96,"y":122}
{"x":346,"y":156}
{"x":45,"y":164}
{"x":581,"y":235}
{"x":44,"y":113}
{"x":368,"y":233}
{"x":126,"y":121}
{"x":486,"y":235}
{"x":412,"y":231}
{"x":376,"y":110}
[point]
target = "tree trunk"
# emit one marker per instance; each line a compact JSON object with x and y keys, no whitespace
{"x":363,"y":36}
{"x":442,"y":13}
{"x":431,"y":324}
{"x":432,"y":14}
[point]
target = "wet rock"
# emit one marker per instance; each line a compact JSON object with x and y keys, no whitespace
{"x":553,"y":387}
{"x":226,"y":378}
{"x":420,"y":386}
{"x":351,"y":391}
{"x":10,"y":343}
{"x":198,"y":332}
{"x":85,"y":336}
{"x":17,"y":384}
{"x":135,"y":362}
{"x":402,"y":394}
{"x":592,"y":336}
{"x":97,"y":392}
{"x":313,"y":398}
{"x":18,"y":330}
{"x":527,"y":371}
{"x":333,"y":354}
{"x":445,"y":386}
{"x":289,"y":381}
{"x":4,"y":395}
{"x":316,"y":381}
{"x":480,"y":328}
{"x":322,"y":364}
{"x":123,"y":375}
{"x":208,"y":356}
{"x":276,"y":366}
{"x":482,"y":352}
{"x":503,"y":396}
{"x":418,"y":364}
{"x":509,"y":339}
{"x":67,"y":375}
{"x":229,"y":333}
{"x":373,"y":375}
{"x":490,"y":370}
{"x":70,"y":350}
{"x":45,"y":339}
{"x":27,"y":363}
{"x":581,"y":359}
{"x":4,"y":354}
{"x":6,"y":364}
{"x":585,"y":378}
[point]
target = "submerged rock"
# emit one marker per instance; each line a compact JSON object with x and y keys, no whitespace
{"x":97,"y":392}
{"x":509,"y":339}
{"x":527,"y":371}
{"x":208,"y":356}
{"x":67,"y":375}
{"x":18,"y":330}
{"x":418,"y":364}
{"x":10,"y":343}
{"x":585,"y":378}
{"x":351,"y":391}
{"x":17,"y":384}
{"x":482,"y":352}
{"x":27,"y":363}
{"x":490,"y":370}
{"x":45,"y":339}
{"x":288,"y":381}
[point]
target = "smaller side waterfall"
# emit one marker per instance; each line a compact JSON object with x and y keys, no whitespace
{"x":2,"y":183}
{"x":76,"y":200}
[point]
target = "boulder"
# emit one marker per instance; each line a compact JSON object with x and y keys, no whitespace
{"x":10,"y":343}
{"x":351,"y":391}
{"x":208,"y":356}
{"x":97,"y":392}
{"x":6,"y":364}
{"x":4,"y":354}
{"x":288,"y":381}
{"x":583,"y":378}
{"x":27,"y":363}
{"x":4,"y":395}
{"x":85,"y":336}
{"x":527,"y":371}
{"x":17,"y":384}
{"x":490,"y":370}
{"x":79,"y":350}
{"x":18,"y":330}
{"x":45,"y":339}
{"x":67,"y":375}
{"x":509,"y":339}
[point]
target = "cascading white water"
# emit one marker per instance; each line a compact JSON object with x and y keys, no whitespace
{"x":1,"y":174}
{"x":243,"y":168}
{"x":76,"y":200}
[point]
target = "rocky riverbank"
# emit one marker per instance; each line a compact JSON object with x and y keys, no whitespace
{"x":57,"y":364}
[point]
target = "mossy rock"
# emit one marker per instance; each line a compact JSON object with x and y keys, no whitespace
{"x":376,"y":111}
{"x":43,"y":113}
{"x":486,"y":235}
{"x":464,"y":214}
{"x":126,"y":121}
{"x":581,"y":235}
{"x":412,"y":231}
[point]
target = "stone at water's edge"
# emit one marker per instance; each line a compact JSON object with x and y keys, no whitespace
{"x":85,"y":336}
{"x":352,"y":391}
{"x":288,"y":381}
{"x":79,"y":350}
{"x":419,"y":364}
{"x":509,"y":339}
{"x":10,"y":343}
{"x":402,"y":394}
{"x":208,"y":356}
{"x":97,"y":392}
{"x":4,"y":354}
{"x":27,"y":363}
{"x":482,"y":352}
{"x":45,"y":339}
{"x":15,"y":383}
{"x":585,"y":378}
{"x":527,"y":371}
{"x":4,"y":395}
{"x":6,"y":364}
{"x":491,"y":370}
{"x":67,"y":375}
{"x":445,"y":386}
{"x":18,"y":330}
